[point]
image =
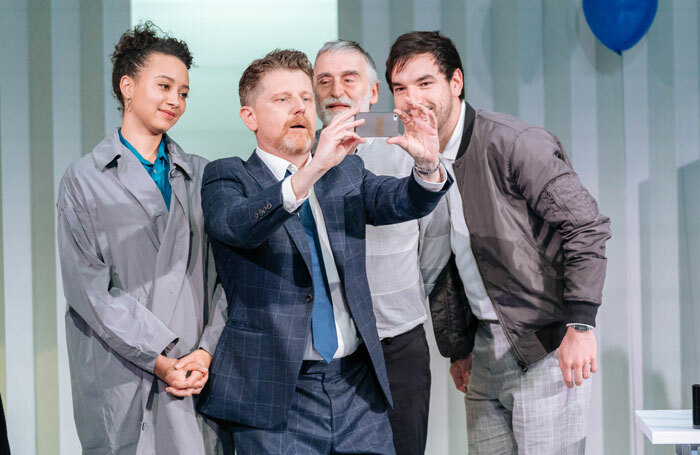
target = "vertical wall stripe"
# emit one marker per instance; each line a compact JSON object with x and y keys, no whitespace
{"x":16,"y":216}
{"x":426,"y":15}
{"x":478,"y":59}
{"x":556,"y":70}
{"x":400,"y":18}
{"x":687,"y":99}
{"x":529,"y":45}
{"x":42,"y":226}
{"x":377,"y":40}
{"x":504,"y":56}
{"x":584,"y":134}
{"x":615,"y":422}
{"x":92,"y":94}
{"x":350,"y":21}
{"x":687,"y":105}
{"x":636,"y":108}
{"x":662,"y":377}
{"x":3,"y":359}
{"x":116,"y":19}
{"x":65,"y":43}
{"x":453,"y":24}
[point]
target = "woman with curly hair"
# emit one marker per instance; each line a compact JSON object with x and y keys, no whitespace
{"x":143,"y":309}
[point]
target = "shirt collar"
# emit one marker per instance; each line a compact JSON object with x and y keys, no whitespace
{"x":452,"y":147}
{"x":160,"y":158}
{"x":278,"y":166}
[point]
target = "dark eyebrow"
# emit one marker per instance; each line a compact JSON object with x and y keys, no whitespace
{"x":425,"y":77}
{"x":172,"y":80}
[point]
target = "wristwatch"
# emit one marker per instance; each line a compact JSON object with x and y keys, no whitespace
{"x":580,"y":327}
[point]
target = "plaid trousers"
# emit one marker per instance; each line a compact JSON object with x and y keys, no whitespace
{"x":514,"y":412}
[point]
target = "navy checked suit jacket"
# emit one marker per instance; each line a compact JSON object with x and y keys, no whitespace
{"x":263,"y":259}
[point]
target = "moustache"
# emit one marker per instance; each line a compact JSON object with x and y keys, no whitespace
{"x":342,"y":100}
{"x":298,"y":120}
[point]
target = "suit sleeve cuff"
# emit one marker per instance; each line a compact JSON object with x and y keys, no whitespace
{"x":431,"y":186}
{"x":581,"y":312}
{"x":289,"y":199}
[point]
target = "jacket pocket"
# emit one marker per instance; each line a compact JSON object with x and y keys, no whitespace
{"x":244,"y":326}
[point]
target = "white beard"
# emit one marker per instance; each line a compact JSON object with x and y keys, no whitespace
{"x":326,"y":115}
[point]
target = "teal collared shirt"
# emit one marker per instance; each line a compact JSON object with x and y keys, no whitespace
{"x":158,"y":170}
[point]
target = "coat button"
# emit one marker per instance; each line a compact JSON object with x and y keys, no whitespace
{"x":309,"y":298}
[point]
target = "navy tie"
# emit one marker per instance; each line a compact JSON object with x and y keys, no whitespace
{"x":325,"y":338}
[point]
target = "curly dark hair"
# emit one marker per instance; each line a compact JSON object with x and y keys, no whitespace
{"x":134,"y":48}
{"x":279,"y":59}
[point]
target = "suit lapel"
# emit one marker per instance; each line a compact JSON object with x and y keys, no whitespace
{"x":264,"y":177}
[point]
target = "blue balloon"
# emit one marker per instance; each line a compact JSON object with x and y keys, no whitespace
{"x":619,"y":24}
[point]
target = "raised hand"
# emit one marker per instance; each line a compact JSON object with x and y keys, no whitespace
{"x":420,"y":138}
{"x":335,"y":142}
{"x":338,"y":139}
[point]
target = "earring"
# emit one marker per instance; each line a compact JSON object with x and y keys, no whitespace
{"x":128,"y":104}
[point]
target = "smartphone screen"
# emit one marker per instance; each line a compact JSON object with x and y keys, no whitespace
{"x":378,"y":124}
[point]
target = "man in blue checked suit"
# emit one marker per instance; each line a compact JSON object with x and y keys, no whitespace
{"x":299,"y":367}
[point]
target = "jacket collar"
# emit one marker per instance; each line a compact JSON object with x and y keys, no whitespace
{"x":112,"y":148}
{"x":260,"y":172}
{"x":469,"y":117}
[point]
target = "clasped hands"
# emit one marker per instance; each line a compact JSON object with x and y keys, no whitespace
{"x":185,"y":376}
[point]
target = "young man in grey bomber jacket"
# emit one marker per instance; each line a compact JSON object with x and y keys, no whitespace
{"x":524,"y":253}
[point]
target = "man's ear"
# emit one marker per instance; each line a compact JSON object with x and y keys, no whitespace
{"x":457,"y":83}
{"x":374,"y":93}
{"x":247,"y":114}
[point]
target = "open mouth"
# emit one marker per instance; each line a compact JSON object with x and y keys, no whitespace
{"x":298,"y":126}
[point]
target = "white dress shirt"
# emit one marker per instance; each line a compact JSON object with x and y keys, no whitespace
{"x":474,"y":288}
{"x":348,"y":341}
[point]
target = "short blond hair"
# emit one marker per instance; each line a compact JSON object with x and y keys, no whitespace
{"x":279,"y":59}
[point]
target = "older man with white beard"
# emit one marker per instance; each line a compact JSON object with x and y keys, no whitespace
{"x":345,"y":77}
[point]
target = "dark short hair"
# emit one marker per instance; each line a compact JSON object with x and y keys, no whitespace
{"x":134,"y":48}
{"x":413,"y":44}
{"x":279,"y":59}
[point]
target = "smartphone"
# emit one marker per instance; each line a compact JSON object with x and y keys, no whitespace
{"x":378,"y":124}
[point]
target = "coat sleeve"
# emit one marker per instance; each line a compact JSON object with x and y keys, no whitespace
{"x":389,"y":200}
{"x":116,"y":317}
{"x":553,"y":190}
{"x":219,"y":312}
{"x":233,"y":217}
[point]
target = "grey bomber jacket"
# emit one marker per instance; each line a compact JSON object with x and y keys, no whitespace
{"x":537,"y":237}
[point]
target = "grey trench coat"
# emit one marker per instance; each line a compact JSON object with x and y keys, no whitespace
{"x":138,"y":280}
